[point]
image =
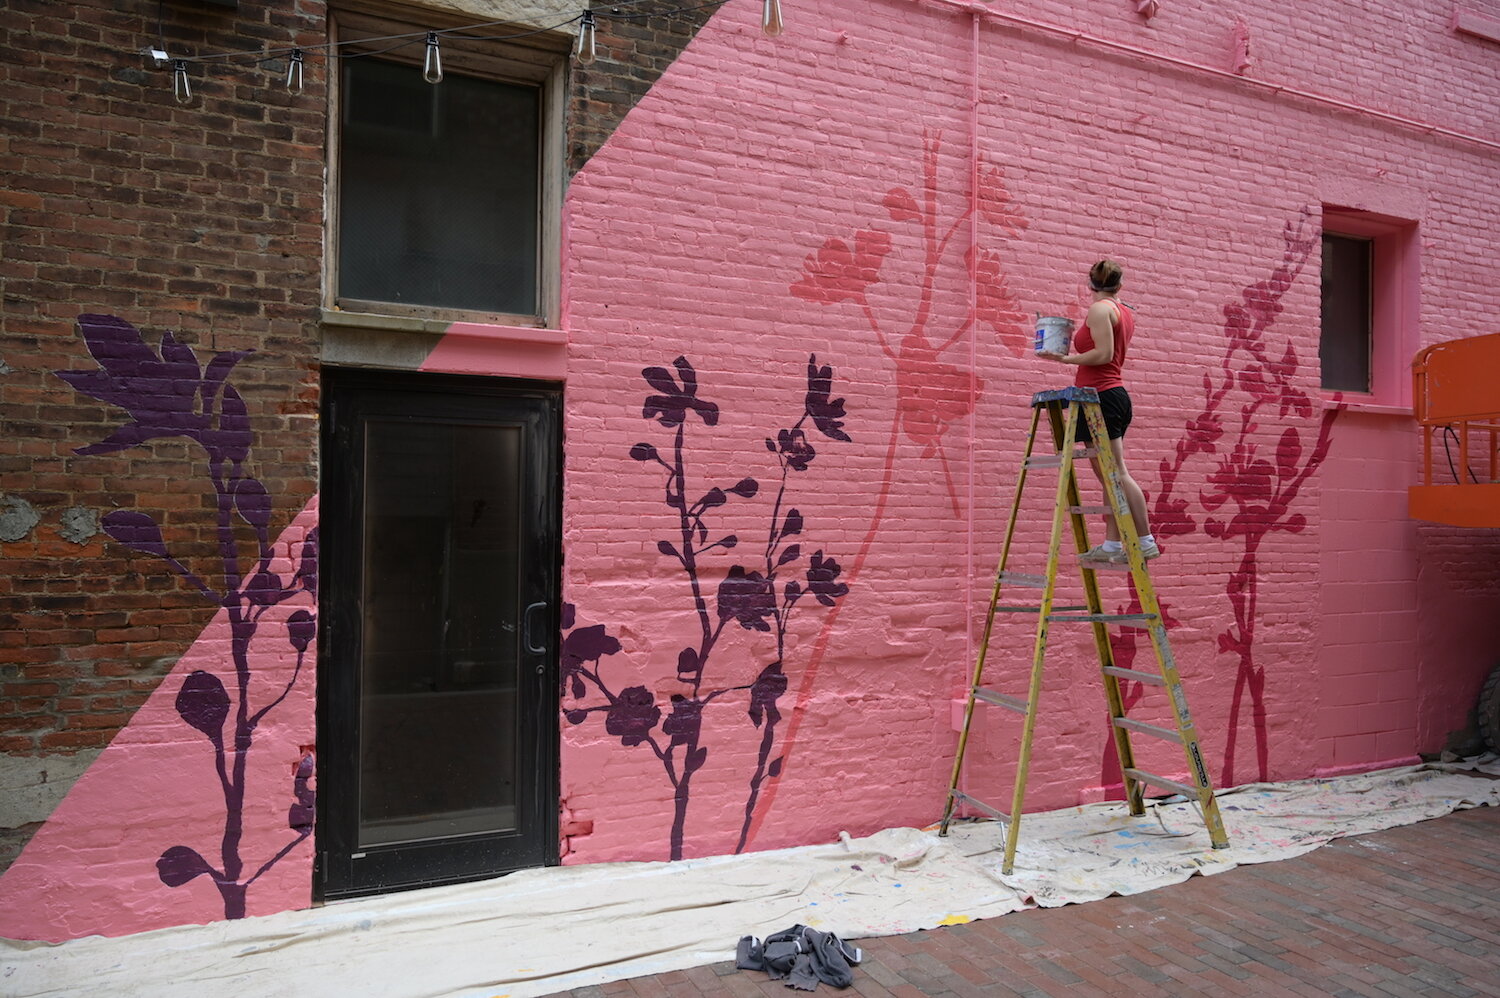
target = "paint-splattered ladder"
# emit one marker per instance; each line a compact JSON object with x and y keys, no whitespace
{"x":1064,"y":408}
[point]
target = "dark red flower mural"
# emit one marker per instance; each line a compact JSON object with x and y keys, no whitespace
{"x":1250,"y":494}
{"x":759,"y":597}
{"x":168,"y":393}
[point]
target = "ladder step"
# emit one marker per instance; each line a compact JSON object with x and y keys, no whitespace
{"x":1131,"y":619}
{"x":1149,"y":678}
{"x":1141,"y":776}
{"x":980,"y":805}
{"x":1000,"y":699}
{"x":1091,"y":510}
{"x":1105,"y":566}
{"x":1154,"y":730}
{"x":1056,"y":460}
{"x":1033,"y":609}
{"x":1022,"y":579}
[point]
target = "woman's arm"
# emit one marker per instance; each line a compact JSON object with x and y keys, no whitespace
{"x":1101,"y":324}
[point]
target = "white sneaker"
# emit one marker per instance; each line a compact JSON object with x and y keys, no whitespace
{"x":1149,"y":550}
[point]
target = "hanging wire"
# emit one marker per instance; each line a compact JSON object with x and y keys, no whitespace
{"x":616,"y":12}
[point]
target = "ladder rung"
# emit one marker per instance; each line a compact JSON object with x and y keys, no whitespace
{"x":1056,"y":460}
{"x":1034,"y":609}
{"x":1091,"y":510}
{"x":1106,"y":566}
{"x":1000,"y":699}
{"x":1101,"y":618}
{"x":1022,"y":579}
{"x":1154,"y":730}
{"x":1149,"y":678}
{"x":978,"y":804}
{"x":1141,"y":776}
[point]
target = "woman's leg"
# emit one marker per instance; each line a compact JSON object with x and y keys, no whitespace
{"x":1134,"y":497}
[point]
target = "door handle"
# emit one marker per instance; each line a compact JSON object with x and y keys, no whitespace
{"x":526,"y":617}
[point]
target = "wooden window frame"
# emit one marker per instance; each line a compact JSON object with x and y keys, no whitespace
{"x":541,"y":62}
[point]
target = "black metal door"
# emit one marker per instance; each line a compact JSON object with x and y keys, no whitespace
{"x":437,"y":728}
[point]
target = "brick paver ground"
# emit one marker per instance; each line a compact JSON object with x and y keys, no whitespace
{"x":1409,"y":911}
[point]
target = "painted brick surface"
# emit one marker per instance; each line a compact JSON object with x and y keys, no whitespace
{"x":695,"y":227}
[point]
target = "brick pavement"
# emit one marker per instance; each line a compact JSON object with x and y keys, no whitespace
{"x":1409,"y":911}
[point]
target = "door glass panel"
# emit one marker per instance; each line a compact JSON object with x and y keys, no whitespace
{"x":440,"y":607}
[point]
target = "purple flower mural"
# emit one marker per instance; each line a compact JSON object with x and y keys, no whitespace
{"x":168,"y":393}
{"x":759,"y":597}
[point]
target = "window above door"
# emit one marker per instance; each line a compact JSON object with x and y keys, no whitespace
{"x":445,"y":197}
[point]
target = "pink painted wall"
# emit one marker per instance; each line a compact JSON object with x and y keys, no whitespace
{"x":705,"y":229}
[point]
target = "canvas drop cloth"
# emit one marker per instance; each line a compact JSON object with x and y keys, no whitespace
{"x":546,"y":930}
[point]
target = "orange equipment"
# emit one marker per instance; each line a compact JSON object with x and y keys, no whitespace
{"x":1457,"y":392}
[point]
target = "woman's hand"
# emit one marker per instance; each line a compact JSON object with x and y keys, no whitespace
{"x":1049,"y":355}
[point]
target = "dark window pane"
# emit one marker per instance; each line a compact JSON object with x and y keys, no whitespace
{"x":439,"y":675}
{"x":438,"y":189}
{"x":1345,"y":345}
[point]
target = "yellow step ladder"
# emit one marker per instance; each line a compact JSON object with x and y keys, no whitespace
{"x":1064,"y":408}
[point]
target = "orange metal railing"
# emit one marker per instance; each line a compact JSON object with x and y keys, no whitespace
{"x":1457,"y":400}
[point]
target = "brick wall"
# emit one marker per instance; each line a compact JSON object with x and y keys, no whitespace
{"x":203,"y":220}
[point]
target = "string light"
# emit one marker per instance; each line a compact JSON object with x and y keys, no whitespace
{"x":180,"y":87}
{"x":294,"y":72}
{"x":587,"y":50}
{"x":770,"y":18}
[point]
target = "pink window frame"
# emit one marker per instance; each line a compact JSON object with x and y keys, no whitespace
{"x":1395,"y":307}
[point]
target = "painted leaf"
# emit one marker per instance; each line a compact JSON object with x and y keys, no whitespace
{"x":643,"y":452}
{"x":666,"y":548}
{"x":745,"y":488}
{"x":301,"y":628}
{"x":1289,"y":452}
{"x":687,"y":662}
{"x":253,"y":503}
{"x":774,"y":769}
{"x":136,"y":531}
{"x":307,"y":572}
{"x":179,"y":865}
{"x":713,"y":498}
{"x":265,"y":589}
{"x":203,"y":703}
{"x":792,"y":524}
{"x":790,"y":554}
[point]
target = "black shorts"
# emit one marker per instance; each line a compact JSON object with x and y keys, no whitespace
{"x":1114,"y":405}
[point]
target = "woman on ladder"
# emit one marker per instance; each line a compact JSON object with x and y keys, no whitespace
{"x":1099,"y":349}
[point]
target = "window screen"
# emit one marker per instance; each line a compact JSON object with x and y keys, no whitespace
{"x":438,"y":190}
{"x":1345,"y":345}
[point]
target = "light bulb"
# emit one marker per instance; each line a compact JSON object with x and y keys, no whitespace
{"x":294,"y":72}
{"x":587,"y":50}
{"x":180,"y":87}
{"x":770,"y":18}
{"x":432,"y":65}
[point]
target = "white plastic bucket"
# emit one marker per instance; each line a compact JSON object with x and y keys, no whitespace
{"x":1053,"y":334}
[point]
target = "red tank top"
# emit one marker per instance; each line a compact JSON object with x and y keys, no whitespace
{"x":1102,"y":376}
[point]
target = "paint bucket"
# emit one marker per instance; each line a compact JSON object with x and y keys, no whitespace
{"x":1053,"y":334}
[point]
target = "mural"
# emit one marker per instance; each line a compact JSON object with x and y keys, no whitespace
{"x":932,"y":394}
{"x":760,"y":597}
{"x":170,"y":394}
{"x":1255,"y":493}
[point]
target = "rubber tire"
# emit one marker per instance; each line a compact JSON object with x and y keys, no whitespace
{"x":1488,"y":710}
